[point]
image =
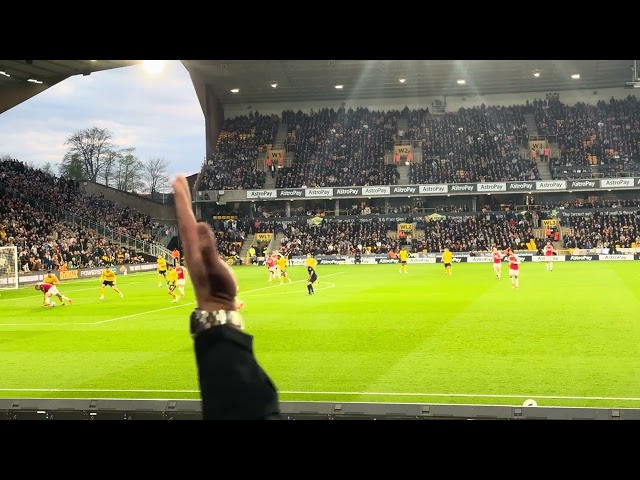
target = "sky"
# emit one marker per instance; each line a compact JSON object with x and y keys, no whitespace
{"x":159,"y":115}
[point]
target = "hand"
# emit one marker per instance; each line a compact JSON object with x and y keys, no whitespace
{"x":213,"y":280}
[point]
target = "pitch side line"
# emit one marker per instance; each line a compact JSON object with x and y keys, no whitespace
{"x":140,"y":313}
{"x":70,"y":291}
{"x":284,"y":392}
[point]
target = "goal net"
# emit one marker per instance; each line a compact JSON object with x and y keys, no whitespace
{"x":8,"y":267}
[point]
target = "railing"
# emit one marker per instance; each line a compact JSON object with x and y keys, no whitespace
{"x":102,"y":230}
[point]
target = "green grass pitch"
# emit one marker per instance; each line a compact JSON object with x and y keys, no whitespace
{"x":370,"y":334}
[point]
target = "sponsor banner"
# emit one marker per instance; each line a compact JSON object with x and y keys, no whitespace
{"x":404,"y":189}
{"x":331,"y":260}
{"x":616,"y":257}
{"x":617,"y":183}
{"x":291,"y":193}
{"x":421,"y":260}
{"x":84,"y":273}
{"x":579,"y":184}
{"x":520,"y":186}
{"x":347,"y":192}
{"x":637,"y":180}
{"x":68,"y":274}
{"x":261,"y":194}
{"x":462,"y":188}
{"x":93,"y":272}
{"x":590,"y":211}
{"x":386,"y":260}
{"x":492,"y":187}
{"x":143,"y":267}
{"x":479,"y":259}
{"x":368,"y":191}
{"x":319,"y":192}
{"x":550,"y":223}
{"x":454,"y":259}
{"x":554,"y":258}
{"x":551,"y":185}
{"x":433,"y":189}
{"x":582,"y":258}
{"x":264,"y":237}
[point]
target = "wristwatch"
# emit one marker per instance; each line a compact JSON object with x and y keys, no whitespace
{"x":202,"y":320}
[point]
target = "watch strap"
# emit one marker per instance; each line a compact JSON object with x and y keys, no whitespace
{"x":202,"y":320}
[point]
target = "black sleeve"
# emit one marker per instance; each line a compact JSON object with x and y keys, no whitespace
{"x":233,"y":386}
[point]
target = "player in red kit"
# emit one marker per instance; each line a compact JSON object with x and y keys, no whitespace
{"x":49,"y":291}
{"x":548,"y":255}
{"x":181,"y":271}
{"x":271,"y":266}
{"x":497,"y":262}
{"x":514,"y":269}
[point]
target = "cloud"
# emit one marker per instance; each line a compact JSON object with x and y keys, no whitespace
{"x":159,"y":116}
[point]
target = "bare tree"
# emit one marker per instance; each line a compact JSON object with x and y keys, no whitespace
{"x":108,"y":167}
{"x":155,"y":174}
{"x":92,"y":144}
{"x":129,"y":171}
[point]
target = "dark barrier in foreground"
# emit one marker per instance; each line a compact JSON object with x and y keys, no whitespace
{"x":62,"y":409}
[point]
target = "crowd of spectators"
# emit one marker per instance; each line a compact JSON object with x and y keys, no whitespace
{"x":602,"y":230}
{"x":230,"y":235}
{"x":473,"y":145}
{"x":606,"y":135}
{"x":44,"y":239}
{"x":338,"y":148}
{"x":240,"y":143}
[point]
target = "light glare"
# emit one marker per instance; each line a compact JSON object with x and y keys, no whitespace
{"x":153,"y":66}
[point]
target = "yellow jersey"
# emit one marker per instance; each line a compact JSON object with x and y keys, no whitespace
{"x":311,"y":262}
{"x":282,"y":263}
{"x":172,"y":276}
{"x":447,"y":257}
{"x":162,"y":264}
{"x":50,"y":279}
{"x":108,"y":276}
{"x":403,"y":255}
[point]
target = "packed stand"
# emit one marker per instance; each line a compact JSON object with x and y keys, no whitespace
{"x":479,"y":233}
{"x":338,"y":148}
{"x":16,"y":178}
{"x":230,"y":235}
{"x":45,"y":243}
{"x":233,"y":163}
{"x":605,"y":135}
{"x":472,"y":145}
{"x":602,"y":230}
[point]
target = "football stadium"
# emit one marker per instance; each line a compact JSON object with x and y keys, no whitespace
{"x":377,"y":215}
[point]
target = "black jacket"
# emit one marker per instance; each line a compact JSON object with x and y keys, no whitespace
{"x":233,"y":386}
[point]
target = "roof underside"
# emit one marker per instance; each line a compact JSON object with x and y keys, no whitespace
{"x":43,"y":70}
{"x":314,"y":80}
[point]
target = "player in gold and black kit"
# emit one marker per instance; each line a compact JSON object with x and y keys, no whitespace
{"x":162,"y":270}
{"x":108,"y":279}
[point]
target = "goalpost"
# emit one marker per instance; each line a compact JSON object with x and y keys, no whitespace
{"x":8,"y":267}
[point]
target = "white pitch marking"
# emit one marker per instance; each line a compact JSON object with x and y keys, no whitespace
{"x":68,"y":291}
{"x":137,"y":314}
{"x":288,"y":292}
{"x":285,"y":392}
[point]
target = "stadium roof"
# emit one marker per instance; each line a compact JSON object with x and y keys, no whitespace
{"x":314,"y":80}
{"x":15,"y":75}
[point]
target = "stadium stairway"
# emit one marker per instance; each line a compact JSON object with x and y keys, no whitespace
{"x":530,"y":120}
{"x":276,"y":242}
{"x":246,"y":245}
{"x":269,"y":182}
{"x":403,"y":170}
{"x":281,"y":136}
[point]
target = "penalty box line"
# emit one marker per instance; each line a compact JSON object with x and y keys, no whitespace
{"x":133,"y":315}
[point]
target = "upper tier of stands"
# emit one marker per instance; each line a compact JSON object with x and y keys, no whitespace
{"x":347,"y":147}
